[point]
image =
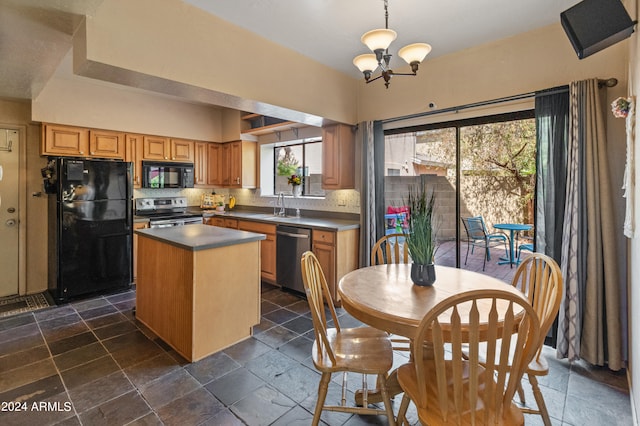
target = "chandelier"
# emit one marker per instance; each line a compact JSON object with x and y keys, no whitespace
{"x":378,"y":42}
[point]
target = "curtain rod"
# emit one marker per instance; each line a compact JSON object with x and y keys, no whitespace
{"x":610,"y":82}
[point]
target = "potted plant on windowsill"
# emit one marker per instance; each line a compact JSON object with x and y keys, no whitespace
{"x":421,"y":238}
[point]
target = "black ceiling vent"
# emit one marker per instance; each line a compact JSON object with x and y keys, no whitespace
{"x":593,"y":25}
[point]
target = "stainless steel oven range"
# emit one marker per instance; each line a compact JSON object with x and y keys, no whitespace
{"x":166,"y":212}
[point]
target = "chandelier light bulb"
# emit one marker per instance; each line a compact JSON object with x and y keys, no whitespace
{"x":378,"y":39}
{"x":366,"y":62}
{"x":415,"y":52}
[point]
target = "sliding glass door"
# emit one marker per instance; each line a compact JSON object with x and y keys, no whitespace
{"x":483,"y":167}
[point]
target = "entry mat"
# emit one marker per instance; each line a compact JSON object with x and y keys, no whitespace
{"x":13,"y":305}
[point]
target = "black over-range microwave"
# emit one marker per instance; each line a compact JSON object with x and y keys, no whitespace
{"x":167,"y":175}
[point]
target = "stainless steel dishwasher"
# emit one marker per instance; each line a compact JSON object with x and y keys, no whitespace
{"x":291,"y":242}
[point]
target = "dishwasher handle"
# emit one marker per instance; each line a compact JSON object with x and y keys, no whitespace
{"x":288,"y":234}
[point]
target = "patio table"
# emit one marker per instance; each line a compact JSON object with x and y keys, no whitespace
{"x":512,"y":228}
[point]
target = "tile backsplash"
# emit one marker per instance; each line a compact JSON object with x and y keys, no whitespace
{"x":342,"y":201}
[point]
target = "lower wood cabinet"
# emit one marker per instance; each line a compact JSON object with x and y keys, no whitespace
{"x":268,"y":247}
{"x":337,"y":253}
{"x":134,"y":255}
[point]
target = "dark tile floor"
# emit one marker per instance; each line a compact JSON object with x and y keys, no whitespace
{"x":91,"y":363}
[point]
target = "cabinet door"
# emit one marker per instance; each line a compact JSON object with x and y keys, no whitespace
{"x":225,"y":165}
{"x":64,"y":140}
{"x":267,"y":247}
{"x":133,"y":145}
{"x":326,"y":255}
{"x":182,"y":150}
{"x":235,"y":164}
{"x":200,"y":164}
{"x":105,"y":144}
{"x":139,"y":225}
{"x":155,"y":148}
{"x":214,"y":164}
{"x":338,"y":157}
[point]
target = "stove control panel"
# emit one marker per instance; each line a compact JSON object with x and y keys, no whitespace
{"x":159,"y":205}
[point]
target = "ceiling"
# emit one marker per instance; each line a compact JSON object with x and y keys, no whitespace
{"x":35,"y":35}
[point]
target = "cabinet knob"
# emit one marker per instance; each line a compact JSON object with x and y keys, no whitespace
{"x":238,"y":180}
{"x":81,"y":152}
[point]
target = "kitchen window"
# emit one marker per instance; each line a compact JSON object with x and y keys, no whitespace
{"x":303,"y":159}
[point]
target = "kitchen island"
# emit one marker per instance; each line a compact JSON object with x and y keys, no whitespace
{"x":198,"y":286}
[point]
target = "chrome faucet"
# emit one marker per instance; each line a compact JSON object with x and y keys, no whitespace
{"x":280,"y":203}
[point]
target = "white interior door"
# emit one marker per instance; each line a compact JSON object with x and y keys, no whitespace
{"x":9,"y":248}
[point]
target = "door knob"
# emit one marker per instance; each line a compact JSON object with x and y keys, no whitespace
{"x":11,"y":210}
{"x":11,"y":222}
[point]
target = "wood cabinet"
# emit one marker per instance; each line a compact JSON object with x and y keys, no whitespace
{"x":59,"y":140}
{"x":242,"y":164}
{"x":337,"y":253}
{"x":200,"y":164}
{"x":155,"y":148}
{"x":106,"y":144}
{"x":214,"y":164}
{"x":338,"y":157}
{"x":64,"y":140}
{"x":232,"y":164}
{"x":182,"y":150}
{"x":221,"y":222}
{"x":133,"y":154}
{"x":165,"y":149}
{"x":267,"y":249}
{"x":136,"y":225}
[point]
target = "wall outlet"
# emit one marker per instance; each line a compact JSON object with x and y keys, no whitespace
{"x":342,"y":202}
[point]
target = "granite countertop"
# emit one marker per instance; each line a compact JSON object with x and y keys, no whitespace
{"x":328,"y":224}
{"x":200,"y":237}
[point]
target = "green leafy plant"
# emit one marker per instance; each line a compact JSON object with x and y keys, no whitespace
{"x":421,"y":239}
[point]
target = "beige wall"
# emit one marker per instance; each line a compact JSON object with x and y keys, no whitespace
{"x":235,"y":68}
{"x":634,"y":244}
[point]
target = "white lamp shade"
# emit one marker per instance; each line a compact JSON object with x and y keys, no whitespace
{"x":366,"y":62}
{"x":415,"y":52}
{"x":378,"y":39}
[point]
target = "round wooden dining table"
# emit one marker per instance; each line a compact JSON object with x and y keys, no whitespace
{"x":384,"y":296}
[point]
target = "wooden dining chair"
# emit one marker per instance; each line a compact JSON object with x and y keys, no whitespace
{"x":389,"y":249}
{"x":449,"y":388}
{"x":392,"y":249}
{"x":363,"y":350}
{"x":539,"y":277}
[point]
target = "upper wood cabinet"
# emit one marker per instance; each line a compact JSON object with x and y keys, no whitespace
{"x":134,"y":154}
{"x":106,"y":144}
{"x":338,"y":157}
{"x":165,"y":149}
{"x":232,"y":164}
{"x":182,"y":150}
{"x":200,"y":164}
{"x":64,"y":140}
{"x":59,"y":140}
{"x":242,"y":172}
{"x":214,"y":164}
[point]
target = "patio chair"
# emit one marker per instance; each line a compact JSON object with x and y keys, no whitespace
{"x":449,"y":388}
{"x":477,"y":236}
{"x":363,"y":350}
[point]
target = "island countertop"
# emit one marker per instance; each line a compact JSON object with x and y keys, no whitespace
{"x":200,"y":237}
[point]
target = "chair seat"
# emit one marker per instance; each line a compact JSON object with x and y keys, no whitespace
{"x":432,"y":414}
{"x":372,"y":346}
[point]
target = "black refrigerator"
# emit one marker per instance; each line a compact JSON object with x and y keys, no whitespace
{"x":90,"y":227}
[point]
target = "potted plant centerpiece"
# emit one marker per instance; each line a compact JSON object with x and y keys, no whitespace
{"x":421,"y":238}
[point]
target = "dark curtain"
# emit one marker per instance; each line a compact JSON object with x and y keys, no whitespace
{"x":552,"y":128}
